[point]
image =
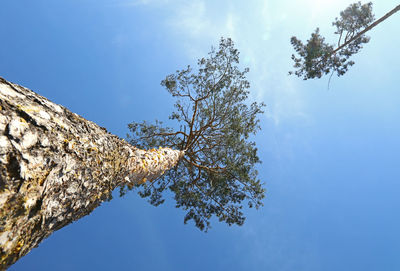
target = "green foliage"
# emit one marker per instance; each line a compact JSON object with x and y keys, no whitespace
{"x":352,"y":19}
{"x":316,"y":57}
{"x":217,"y":172}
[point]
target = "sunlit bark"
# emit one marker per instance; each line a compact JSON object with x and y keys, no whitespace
{"x":56,"y":167}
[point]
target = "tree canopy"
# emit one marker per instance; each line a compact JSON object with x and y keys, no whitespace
{"x":317,"y":58}
{"x":217,"y":173}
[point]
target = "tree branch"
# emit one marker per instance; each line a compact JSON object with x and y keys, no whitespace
{"x":211,"y":169}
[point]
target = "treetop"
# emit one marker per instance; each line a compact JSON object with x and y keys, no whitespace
{"x":218,"y":171}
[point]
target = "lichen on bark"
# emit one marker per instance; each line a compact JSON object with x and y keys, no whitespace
{"x":56,"y":167}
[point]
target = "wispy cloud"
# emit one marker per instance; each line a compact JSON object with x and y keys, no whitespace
{"x":261,"y":30}
{"x":261,"y":39}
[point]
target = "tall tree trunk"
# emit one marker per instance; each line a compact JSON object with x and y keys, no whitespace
{"x":56,"y":167}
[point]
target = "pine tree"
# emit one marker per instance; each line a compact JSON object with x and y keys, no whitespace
{"x":56,"y":167}
{"x":317,"y":58}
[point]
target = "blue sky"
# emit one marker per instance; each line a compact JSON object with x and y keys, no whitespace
{"x":330,"y":157}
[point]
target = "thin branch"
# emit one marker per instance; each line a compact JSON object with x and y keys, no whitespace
{"x":340,"y":37}
{"x":215,"y":170}
{"x":184,"y":95}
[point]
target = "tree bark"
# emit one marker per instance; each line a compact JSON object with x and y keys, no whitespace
{"x":56,"y":167}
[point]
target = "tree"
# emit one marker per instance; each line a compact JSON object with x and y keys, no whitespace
{"x":56,"y":167}
{"x":317,"y":57}
{"x":217,"y":173}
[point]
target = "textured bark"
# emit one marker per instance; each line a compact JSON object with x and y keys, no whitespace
{"x":56,"y":167}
